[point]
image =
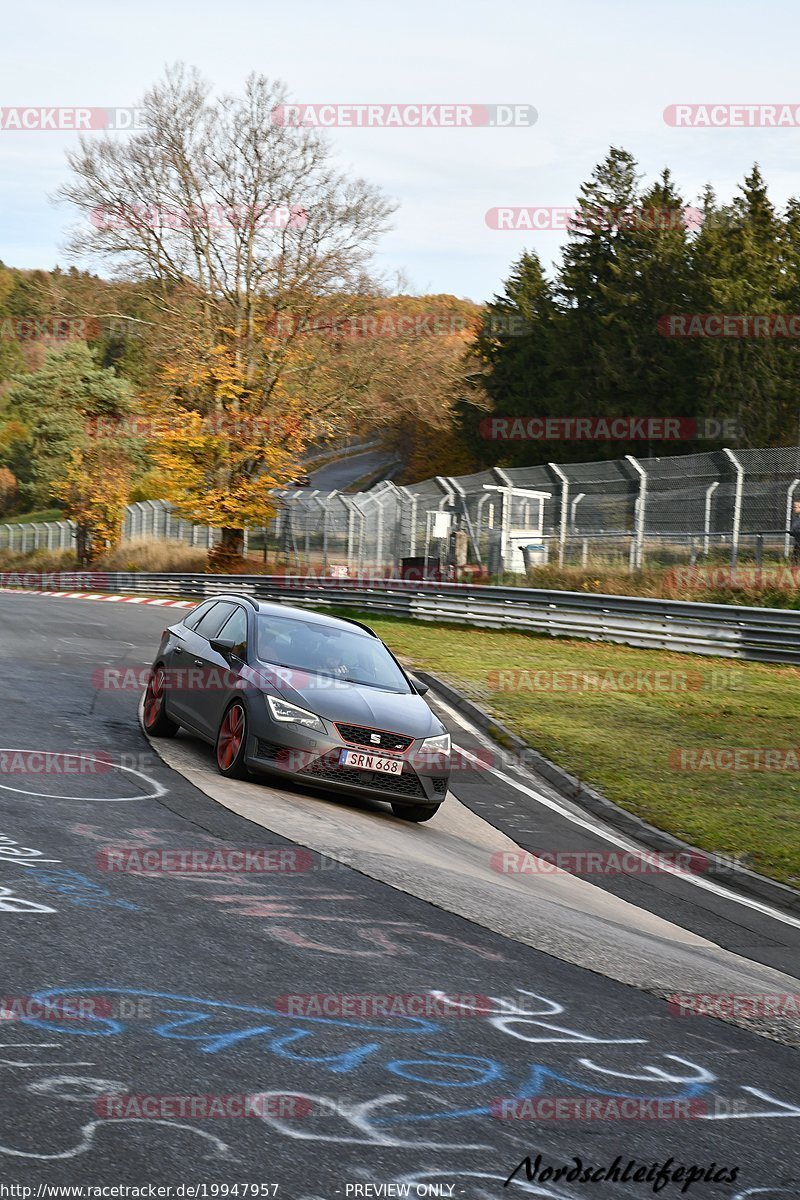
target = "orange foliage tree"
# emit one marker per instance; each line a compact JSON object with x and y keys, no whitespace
{"x":8,"y":489}
{"x":94,"y":489}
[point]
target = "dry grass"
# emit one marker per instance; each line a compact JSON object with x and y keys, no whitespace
{"x":169,"y":557}
{"x":149,"y":554}
{"x":36,"y":561}
{"x":778,"y":585}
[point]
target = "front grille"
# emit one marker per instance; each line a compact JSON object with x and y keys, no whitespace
{"x":439,"y":786}
{"x":327,"y":768}
{"x":375,"y":739}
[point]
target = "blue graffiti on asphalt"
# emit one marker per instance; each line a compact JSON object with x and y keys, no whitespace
{"x":184,"y":1025}
{"x":213,"y":1042}
{"x":189,"y":1017}
{"x":535,"y":1085}
{"x":79,"y":889}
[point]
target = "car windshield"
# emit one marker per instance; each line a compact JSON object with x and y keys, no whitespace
{"x":328,"y":650}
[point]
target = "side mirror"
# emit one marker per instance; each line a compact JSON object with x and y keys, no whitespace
{"x":223,"y":646}
{"x":421,"y":688}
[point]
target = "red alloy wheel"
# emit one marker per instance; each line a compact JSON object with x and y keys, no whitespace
{"x":231,"y":734}
{"x":154,"y":698}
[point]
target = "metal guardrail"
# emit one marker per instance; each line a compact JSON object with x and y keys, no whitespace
{"x":725,"y":630}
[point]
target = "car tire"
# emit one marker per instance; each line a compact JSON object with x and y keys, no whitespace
{"x":415,"y":812}
{"x":154,"y":715}
{"x":231,"y":744}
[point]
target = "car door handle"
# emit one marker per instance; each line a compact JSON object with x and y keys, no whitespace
{"x":198,"y":662}
{"x":178,"y":650}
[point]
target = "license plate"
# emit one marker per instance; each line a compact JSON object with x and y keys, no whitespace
{"x":371,"y":762}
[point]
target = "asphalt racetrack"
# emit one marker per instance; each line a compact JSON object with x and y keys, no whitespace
{"x":242,"y":1028}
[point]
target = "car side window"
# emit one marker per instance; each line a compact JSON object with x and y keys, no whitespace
{"x":235,"y":629}
{"x":214,"y":619}
{"x":197,"y":614}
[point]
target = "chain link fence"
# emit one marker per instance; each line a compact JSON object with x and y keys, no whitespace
{"x":723,"y":506}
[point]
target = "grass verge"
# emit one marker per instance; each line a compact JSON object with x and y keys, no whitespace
{"x":626,"y":721}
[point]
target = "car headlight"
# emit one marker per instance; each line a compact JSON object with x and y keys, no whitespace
{"x":281,"y":710}
{"x":437,"y":745}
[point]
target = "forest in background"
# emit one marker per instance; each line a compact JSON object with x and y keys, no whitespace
{"x":199,"y":357}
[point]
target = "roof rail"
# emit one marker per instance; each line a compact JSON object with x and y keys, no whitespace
{"x":360,"y":624}
{"x":235,"y":596}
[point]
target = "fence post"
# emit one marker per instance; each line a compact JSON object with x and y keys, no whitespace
{"x":307,"y":530}
{"x":641,"y":506}
{"x":362,"y":530}
{"x":351,"y":514}
{"x":505,"y":517}
{"x":407,"y":494}
{"x":712,"y":487}
{"x":151,"y":509}
{"x":324,"y":506}
{"x":412,"y":544}
{"x":789,"y":499}
{"x":737,"y":507}
{"x":562,"y":534}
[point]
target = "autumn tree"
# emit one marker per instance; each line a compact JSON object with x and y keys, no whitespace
{"x":8,"y":490}
{"x":237,"y":216}
{"x":94,"y":490}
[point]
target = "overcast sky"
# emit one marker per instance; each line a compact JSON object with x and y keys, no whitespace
{"x":597,"y":72}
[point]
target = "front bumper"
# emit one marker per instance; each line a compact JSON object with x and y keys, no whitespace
{"x":313,"y":759}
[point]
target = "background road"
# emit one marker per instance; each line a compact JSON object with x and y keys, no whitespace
{"x":202,"y":963}
{"x":338,"y":475}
